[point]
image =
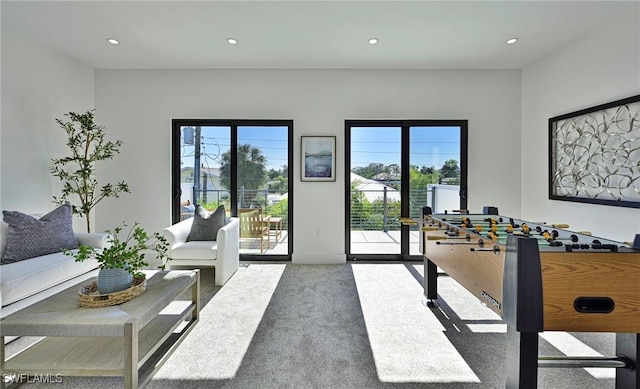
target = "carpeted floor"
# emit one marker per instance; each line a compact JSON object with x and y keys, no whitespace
{"x":349,"y":326}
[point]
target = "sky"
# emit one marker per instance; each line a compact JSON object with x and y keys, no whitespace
{"x":430,"y":146}
{"x":216,"y":140}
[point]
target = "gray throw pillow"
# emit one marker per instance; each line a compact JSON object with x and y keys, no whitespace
{"x":29,"y":237}
{"x":206,"y":225}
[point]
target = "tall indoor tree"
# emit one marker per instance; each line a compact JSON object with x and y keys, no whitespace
{"x":87,"y":144}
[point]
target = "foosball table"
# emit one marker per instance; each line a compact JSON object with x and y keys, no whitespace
{"x":540,"y":277}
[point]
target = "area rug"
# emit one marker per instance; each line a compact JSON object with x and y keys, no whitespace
{"x":349,"y":326}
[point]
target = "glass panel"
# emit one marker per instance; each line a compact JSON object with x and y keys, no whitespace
{"x":435,"y":173}
{"x":375,"y":190}
{"x":263,"y":186}
{"x":201,"y":152}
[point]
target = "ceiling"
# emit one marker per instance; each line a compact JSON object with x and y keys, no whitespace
{"x":308,"y":34}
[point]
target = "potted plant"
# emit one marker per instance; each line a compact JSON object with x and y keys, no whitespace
{"x":124,"y":256}
{"x":87,"y":145}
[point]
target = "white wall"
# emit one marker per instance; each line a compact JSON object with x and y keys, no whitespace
{"x":137,"y":106}
{"x":598,"y":68}
{"x":507,"y":151}
{"x":38,"y":86}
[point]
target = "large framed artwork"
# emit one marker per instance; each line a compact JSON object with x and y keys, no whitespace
{"x":318,"y":158}
{"x":594,"y":154}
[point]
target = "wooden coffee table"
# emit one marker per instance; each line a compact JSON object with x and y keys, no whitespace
{"x":84,"y":341}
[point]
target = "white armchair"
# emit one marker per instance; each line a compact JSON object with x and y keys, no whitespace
{"x":223,"y":253}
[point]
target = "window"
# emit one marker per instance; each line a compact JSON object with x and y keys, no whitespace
{"x":243,"y":165}
{"x":394,"y":169}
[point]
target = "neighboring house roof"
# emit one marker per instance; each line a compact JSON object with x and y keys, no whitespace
{"x":273,"y":198}
{"x":386,"y":176}
{"x":374,"y":190}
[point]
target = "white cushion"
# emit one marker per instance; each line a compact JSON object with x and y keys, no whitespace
{"x":25,"y":278}
{"x":195,"y":250}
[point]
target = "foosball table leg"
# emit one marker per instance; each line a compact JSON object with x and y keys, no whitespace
{"x":521,"y":359}
{"x":430,"y":283}
{"x":522,"y":311}
{"x":628,"y":346}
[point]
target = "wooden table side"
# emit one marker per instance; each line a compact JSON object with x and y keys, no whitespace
{"x":131,"y":356}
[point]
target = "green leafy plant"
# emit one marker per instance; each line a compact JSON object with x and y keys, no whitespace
{"x":86,"y":142}
{"x":125,"y":250}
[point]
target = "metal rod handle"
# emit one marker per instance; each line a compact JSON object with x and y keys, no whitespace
{"x":610,"y":362}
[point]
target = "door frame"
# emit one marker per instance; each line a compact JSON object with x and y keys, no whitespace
{"x":405,"y":126}
{"x":233,"y":124}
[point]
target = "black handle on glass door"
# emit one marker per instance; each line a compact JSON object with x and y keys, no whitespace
{"x":463,"y":193}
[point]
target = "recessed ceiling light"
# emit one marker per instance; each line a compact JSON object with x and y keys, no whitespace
{"x":373,"y":41}
{"x":511,"y":41}
{"x":232,"y":41}
{"x":113,"y":41}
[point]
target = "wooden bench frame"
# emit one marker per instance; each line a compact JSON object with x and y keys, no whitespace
{"x":253,"y":225}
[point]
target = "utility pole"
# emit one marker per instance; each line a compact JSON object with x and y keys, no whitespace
{"x":196,"y":166}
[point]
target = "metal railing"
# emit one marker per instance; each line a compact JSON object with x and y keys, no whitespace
{"x":247,"y":198}
{"x":206,"y":197}
{"x":379,"y":210}
{"x":371,"y":210}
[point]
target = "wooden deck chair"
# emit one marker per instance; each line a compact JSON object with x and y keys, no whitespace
{"x":184,"y":213}
{"x":253,"y":226}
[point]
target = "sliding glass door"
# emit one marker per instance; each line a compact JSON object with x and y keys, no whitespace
{"x":263,"y":188}
{"x":244,"y":166}
{"x":375,"y":189}
{"x":394,"y":169}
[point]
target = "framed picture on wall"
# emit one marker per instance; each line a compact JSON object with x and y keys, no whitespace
{"x":318,"y":158}
{"x":594,"y":154}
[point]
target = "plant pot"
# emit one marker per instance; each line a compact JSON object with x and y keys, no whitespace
{"x":113,"y":280}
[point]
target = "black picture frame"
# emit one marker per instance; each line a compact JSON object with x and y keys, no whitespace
{"x":594,"y":154}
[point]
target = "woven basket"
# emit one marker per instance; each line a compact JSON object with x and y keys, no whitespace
{"x":89,"y":297}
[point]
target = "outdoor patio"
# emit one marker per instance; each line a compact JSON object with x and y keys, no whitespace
{"x":362,"y":242}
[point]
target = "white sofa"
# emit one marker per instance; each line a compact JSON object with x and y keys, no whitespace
{"x":223,"y":253}
{"x":28,"y":281}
